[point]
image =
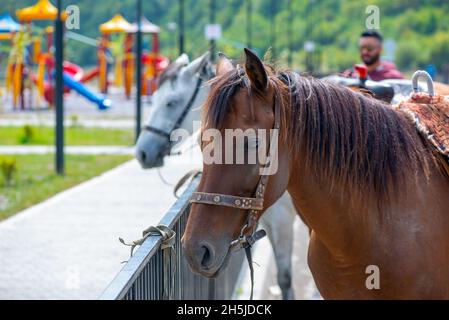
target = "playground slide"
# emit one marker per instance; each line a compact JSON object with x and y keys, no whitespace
{"x":90,"y":75}
{"x":102,"y":103}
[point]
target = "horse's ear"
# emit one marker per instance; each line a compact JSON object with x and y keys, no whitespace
{"x":224,"y":64}
{"x":256,"y":71}
{"x":198,"y":64}
{"x":182,"y":60}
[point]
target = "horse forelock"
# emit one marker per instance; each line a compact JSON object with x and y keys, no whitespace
{"x":218,"y":103}
{"x":223,"y":89}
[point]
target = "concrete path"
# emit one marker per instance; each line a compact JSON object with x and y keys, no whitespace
{"x":116,"y":150}
{"x":67,"y":247}
{"x":87,"y":123}
{"x":74,"y":104}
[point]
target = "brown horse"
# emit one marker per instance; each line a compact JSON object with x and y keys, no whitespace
{"x":370,"y":188}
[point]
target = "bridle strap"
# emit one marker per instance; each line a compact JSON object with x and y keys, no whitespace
{"x":255,"y":203}
{"x":218,"y":199}
{"x":156,"y":131}
{"x":249,"y":258}
{"x":181,"y":117}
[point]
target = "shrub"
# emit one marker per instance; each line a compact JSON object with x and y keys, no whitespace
{"x":408,"y":55}
{"x":27,"y":134}
{"x":9,"y":168}
{"x":439,"y":50}
{"x":74,"y":120}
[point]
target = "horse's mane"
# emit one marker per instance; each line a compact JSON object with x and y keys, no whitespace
{"x":349,"y":139}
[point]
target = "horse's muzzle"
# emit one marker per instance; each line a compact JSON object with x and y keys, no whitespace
{"x":150,"y":150}
{"x":203,"y":258}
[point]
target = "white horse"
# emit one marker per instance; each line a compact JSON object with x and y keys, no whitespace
{"x":177,"y":104}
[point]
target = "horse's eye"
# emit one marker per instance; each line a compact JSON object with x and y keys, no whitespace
{"x":172,"y":103}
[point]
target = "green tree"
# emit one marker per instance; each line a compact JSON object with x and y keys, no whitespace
{"x":439,"y":53}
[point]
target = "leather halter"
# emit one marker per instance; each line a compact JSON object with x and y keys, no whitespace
{"x":182,"y":116}
{"x":248,"y":235}
{"x":255,"y":203}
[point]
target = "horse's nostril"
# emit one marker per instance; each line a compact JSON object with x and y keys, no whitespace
{"x":143,"y":156}
{"x":208,"y":255}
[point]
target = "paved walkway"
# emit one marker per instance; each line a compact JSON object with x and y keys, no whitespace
{"x":121,"y":115}
{"x":116,"y":150}
{"x":67,"y":247}
{"x":49,"y":121}
{"x":74,"y":104}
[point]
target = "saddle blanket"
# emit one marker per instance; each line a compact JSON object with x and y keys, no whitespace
{"x":430,"y":114}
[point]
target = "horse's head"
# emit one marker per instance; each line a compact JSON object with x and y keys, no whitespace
{"x":173,"y":107}
{"x":241,"y":110}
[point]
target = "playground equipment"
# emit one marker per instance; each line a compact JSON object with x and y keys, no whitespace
{"x":110,"y":51}
{"x":116,"y":46}
{"x":154,"y":63}
{"x":42,"y":10}
{"x":8,"y":27}
{"x":30,"y":68}
{"x":26,"y":55}
{"x":76,"y":85}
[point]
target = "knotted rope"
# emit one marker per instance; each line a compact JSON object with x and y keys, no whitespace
{"x":168,"y":237}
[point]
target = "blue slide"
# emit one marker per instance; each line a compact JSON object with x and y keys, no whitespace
{"x":101,"y":102}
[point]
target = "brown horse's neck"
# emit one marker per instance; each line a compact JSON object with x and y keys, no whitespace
{"x":348,"y":139}
{"x":353,"y":160}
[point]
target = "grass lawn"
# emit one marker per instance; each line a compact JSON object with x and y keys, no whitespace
{"x":75,"y":136}
{"x":35,"y":179}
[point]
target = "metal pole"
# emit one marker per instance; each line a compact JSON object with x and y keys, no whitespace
{"x":181,"y":27}
{"x":290,"y":33}
{"x":249,"y":23}
{"x":273,"y":28}
{"x":138,"y":69}
{"x":59,"y":91}
{"x":309,"y":55}
{"x":211,"y":290}
{"x":212,"y":21}
{"x":312,"y":55}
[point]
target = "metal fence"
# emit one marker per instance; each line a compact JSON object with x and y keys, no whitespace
{"x":147,"y":275}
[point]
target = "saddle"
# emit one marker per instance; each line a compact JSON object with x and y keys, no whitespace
{"x":377,"y":90}
{"x":430,"y":115}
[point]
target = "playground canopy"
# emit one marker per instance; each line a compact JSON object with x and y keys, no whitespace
{"x":7,"y":26}
{"x":146,"y":27}
{"x":42,"y":10}
{"x":117,"y":24}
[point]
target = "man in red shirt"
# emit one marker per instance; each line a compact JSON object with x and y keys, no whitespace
{"x":370,"y":44}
